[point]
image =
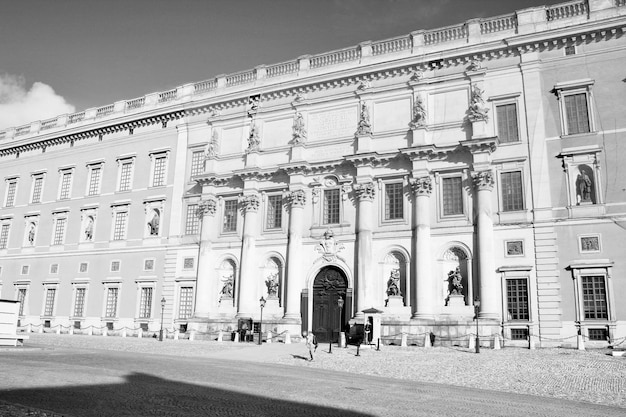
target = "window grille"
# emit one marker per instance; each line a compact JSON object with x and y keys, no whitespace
{"x":66,"y":181}
{"x":577,"y":113}
{"x":111,"y":305}
{"x":512,"y":194}
{"x":145,"y":303}
{"x":10,"y":201}
{"x":598,"y":334}
{"x":230,"y":216}
{"x":79,"y":302}
{"x":452,"y":196}
{"x":394,"y":201}
{"x":94,"y":181}
{"x":594,"y":297}
{"x":519,"y":334}
{"x":37,"y":186}
{"x":192,"y":221}
{"x":197,"y":163}
{"x":331,"y":206}
{"x":517,"y":298}
{"x":4,"y":235}
{"x":188,"y":263}
{"x":49,"y":308}
{"x":507,"y":123}
{"x":158,"y":178}
{"x":119,"y":231}
{"x":274,"y":211}
{"x":125,"y":176}
{"x":185,"y":302}
{"x":59,"y":231}
{"x":115,"y":266}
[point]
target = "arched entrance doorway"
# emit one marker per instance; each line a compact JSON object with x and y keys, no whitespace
{"x":329,"y":287}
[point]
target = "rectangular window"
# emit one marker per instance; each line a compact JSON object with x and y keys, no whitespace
{"x":11,"y":188}
{"x":598,"y":334}
{"x":94,"y":181}
{"x":519,"y":334}
{"x":192,"y":222}
{"x":59,"y":231}
{"x":83,"y":267}
{"x":148,"y":265}
{"x":126,"y":172}
{"x":4,"y":235}
{"x":119,"y":230}
{"x":37,"y":187}
{"x":54,"y":268}
{"x":115,"y":266}
{"x":49,"y":308}
{"x":111,"y":304}
{"x":394,"y":201}
{"x":507,"y":123}
{"x":230,"y":216}
{"x":21,"y":298}
{"x":512,"y":193}
{"x":66,"y":182}
{"x":188,"y":263}
{"x":594,"y":297}
{"x":577,"y":113}
{"x":158,"y":177}
{"x":79,"y":302}
{"x":185,"y":302}
{"x":517,"y":298}
{"x":145,"y":303}
{"x":331,"y":206}
{"x":274,"y":211}
{"x":452,"y":192}
{"x":197,"y":163}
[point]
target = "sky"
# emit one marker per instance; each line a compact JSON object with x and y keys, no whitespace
{"x":64,"y":56}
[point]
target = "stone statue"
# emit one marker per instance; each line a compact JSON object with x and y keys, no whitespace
{"x":364,"y":127}
{"x":272,"y":285}
{"x":31,"y":234}
{"x":212,"y":148}
{"x":583,"y":187}
{"x":393,"y":283}
{"x":154,"y":224}
{"x":329,"y":247}
{"x":419,"y":113}
{"x":89,"y":229}
{"x":227,"y":288}
{"x":253,"y":139}
{"x":477,"y":110}
{"x":299,"y":131}
{"x":455,"y":282}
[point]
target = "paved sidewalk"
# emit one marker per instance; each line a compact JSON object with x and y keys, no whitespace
{"x":590,"y":376}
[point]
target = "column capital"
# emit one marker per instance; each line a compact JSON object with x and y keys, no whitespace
{"x":250,"y":202}
{"x":422,"y":186}
{"x":208,"y":206}
{"x":483,"y":180}
{"x":297,"y":198}
{"x":365,"y":191}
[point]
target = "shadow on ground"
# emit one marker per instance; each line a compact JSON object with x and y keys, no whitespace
{"x":147,"y":395}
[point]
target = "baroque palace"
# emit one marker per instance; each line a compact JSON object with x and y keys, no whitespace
{"x":407,"y":182}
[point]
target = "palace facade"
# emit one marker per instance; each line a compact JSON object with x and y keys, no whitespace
{"x":411,"y":180}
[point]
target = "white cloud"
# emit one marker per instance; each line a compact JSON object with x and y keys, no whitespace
{"x":19,"y":106}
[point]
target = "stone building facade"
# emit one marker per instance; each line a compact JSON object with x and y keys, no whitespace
{"x":402,"y":179}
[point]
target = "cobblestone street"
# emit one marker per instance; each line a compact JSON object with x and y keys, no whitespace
{"x":48,"y":364}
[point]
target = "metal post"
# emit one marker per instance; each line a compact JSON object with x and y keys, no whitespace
{"x":262,"y":304}
{"x":340,"y":304}
{"x":476,"y":308}
{"x":163,"y":301}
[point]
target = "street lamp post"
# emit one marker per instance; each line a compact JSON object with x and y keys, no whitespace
{"x":340,"y":304}
{"x":162,"y":309}
{"x":476,"y":308}
{"x":262,"y":303}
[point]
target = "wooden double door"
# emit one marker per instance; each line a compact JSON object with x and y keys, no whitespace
{"x":329,"y":287}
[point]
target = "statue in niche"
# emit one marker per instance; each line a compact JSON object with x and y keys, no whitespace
{"x":455,"y":282}
{"x":583,"y":186}
{"x":478,"y":110}
{"x":253,"y":139}
{"x":89,"y":229}
{"x":31,"y":234}
{"x":364,"y":127}
{"x":419,"y":113}
{"x":393,"y":284}
{"x":227,"y":288}
{"x":272,"y":285}
{"x":153,"y":224}
{"x":299,"y":131}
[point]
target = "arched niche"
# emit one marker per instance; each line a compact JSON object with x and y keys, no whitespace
{"x":227,"y":273}
{"x":273,"y":279}
{"x":395,"y":283}
{"x":456,"y":261}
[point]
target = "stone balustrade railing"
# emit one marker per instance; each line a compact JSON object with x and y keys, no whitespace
{"x":418,"y":43}
{"x":566,"y":10}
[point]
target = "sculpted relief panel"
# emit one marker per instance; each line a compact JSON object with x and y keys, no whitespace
{"x":336,"y":123}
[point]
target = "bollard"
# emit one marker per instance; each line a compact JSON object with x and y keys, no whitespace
{"x":471,"y":344}
{"x":580,"y":342}
{"x":357,"y":349}
{"x":192,"y":335}
{"x":531,"y":342}
{"x":496,"y":341}
{"x":59,"y":329}
{"x":139,"y":333}
{"x":269,"y":337}
{"x":41,"y":328}
{"x":90,"y":331}
{"x":403,"y":341}
{"x":220,"y":336}
{"x":176,"y":334}
{"x":123,"y":331}
{"x":30,"y":327}
{"x":236,"y":337}
{"x":104,"y":331}
{"x":427,"y":340}
{"x":342,"y":340}
{"x":287,"y":338}
{"x":70,"y":330}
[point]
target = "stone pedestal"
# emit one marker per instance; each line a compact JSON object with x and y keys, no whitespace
{"x":456,"y":300}
{"x":395,"y":301}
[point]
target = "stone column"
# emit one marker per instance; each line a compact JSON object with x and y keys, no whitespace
{"x":248,"y":278}
{"x":424,"y":289}
{"x":365,"y":266}
{"x":488,"y":282}
{"x":297,"y":200}
{"x":206,"y":298}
